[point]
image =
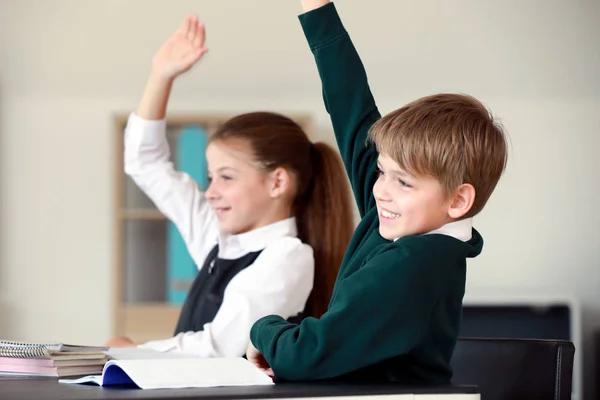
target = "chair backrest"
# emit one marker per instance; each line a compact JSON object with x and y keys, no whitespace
{"x":514,"y":369}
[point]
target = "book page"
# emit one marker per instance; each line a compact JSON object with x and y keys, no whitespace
{"x":178,"y":373}
{"x":192,"y":372}
{"x":97,"y":379}
{"x":136,"y":353}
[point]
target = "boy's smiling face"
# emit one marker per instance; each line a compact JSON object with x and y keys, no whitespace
{"x":406,"y":204}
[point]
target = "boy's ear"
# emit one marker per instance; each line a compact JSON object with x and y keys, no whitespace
{"x":280,"y":182}
{"x":461,"y":201}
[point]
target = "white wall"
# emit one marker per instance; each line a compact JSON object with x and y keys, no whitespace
{"x":67,"y":65}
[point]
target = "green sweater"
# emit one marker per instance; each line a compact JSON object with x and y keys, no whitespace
{"x":396,"y":307}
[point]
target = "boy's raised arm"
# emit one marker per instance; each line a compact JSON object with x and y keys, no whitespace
{"x":309,"y":5}
{"x":346,"y":93}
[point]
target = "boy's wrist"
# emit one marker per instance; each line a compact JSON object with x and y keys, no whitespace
{"x":309,"y":5}
{"x":321,"y":25}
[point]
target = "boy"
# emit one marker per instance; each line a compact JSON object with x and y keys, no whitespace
{"x":424,"y":171}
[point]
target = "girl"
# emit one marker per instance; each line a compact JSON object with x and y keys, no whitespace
{"x":269,"y":231}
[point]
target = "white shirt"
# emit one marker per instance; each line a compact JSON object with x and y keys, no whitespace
{"x":461,"y":230}
{"x":278,"y":282}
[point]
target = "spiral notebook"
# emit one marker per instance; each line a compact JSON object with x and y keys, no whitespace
{"x":50,"y":359}
{"x":19,"y":349}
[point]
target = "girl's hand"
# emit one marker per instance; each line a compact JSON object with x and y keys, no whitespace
{"x":120,"y":342}
{"x":181,"y":51}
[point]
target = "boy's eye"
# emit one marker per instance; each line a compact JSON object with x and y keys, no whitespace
{"x":378,"y":172}
{"x":226,"y":178}
{"x":403,"y":183}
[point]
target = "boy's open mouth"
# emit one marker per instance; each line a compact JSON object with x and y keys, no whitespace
{"x":388,"y":215}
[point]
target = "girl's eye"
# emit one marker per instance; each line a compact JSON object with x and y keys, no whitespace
{"x":223,"y":177}
{"x":379,"y":172}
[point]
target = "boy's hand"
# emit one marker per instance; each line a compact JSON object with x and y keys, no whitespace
{"x":181,"y":51}
{"x":120,"y":342}
{"x":309,"y":5}
{"x":256,"y":358}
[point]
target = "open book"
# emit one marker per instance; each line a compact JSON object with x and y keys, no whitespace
{"x":177,"y":373}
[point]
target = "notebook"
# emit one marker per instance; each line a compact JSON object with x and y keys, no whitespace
{"x":177,"y":373}
{"x":18,"y":349}
{"x":50,"y":359}
{"x":49,"y":371}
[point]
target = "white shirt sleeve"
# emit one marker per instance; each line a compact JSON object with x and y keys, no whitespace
{"x":175,"y":193}
{"x":278,"y":282}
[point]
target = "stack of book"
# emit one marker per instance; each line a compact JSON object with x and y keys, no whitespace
{"x":50,"y":359}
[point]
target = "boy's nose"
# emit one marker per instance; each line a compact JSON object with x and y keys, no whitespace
{"x":380,"y":192}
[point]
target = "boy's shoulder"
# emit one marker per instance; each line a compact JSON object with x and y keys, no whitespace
{"x":429,"y":251}
{"x":441,"y":242}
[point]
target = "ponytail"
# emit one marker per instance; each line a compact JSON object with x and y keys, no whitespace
{"x":325,"y":222}
{"x":323,"y":206}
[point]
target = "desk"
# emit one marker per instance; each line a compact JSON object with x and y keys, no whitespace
{"x":49,"y":388}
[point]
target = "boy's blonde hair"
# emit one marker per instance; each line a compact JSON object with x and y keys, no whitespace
{"x":450,"y":137}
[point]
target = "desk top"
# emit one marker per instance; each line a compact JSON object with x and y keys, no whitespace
{"x":49,"y":388}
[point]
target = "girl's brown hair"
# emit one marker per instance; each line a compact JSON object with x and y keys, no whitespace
{"x":322,"y":206}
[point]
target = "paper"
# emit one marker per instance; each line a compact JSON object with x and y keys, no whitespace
{"x":136,"y":353}
{"x":178,"y":373}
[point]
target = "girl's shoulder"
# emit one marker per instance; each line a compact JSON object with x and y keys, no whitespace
{"x":288,"y":246}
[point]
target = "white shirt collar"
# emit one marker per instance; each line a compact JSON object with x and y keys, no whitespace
{"x":461,"y":230}
{"x":235,"y":246}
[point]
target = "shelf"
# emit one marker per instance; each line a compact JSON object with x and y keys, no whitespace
{"x":151,"y":307}
{"x":143,"y":214}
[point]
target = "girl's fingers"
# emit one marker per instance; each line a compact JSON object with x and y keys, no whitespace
{"x":184,"y":26}
{"x":192,"y":31}
{"x":200,"y":35}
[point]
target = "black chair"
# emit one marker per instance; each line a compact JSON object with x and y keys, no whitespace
{"x":515,"y":369}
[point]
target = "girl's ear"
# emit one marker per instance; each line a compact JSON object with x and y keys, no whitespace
{"x":462,"y":201}
{"x":280,"y":182}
